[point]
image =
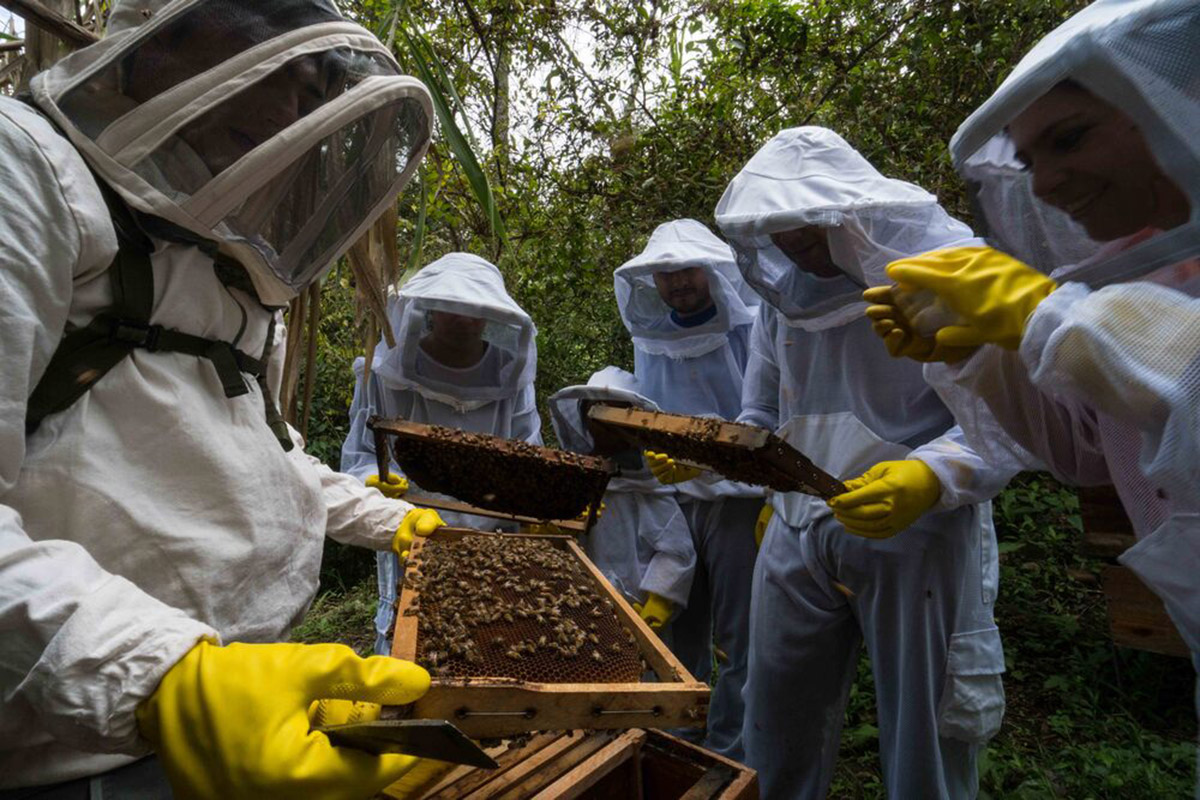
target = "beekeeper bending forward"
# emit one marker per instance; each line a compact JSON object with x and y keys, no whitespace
{"x":164,"y":190}
{"x":812,"y":223}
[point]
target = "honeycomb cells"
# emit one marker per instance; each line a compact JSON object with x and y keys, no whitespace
{"x":511,"y":607}
{"x":502,"y":474}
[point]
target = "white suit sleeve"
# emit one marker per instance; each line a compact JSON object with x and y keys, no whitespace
{"x":965,"y":475}
{"x":79,"y":647}
{"x":526,"y":423}
{"x":672,"y":566}
{"x":760,"y":387}
{"x":1010,"y":421}
{"x":356,"y":514}
{"x":1131,"y":351}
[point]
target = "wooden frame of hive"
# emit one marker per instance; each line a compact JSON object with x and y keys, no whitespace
{"x":486,"y":707}
{"x":587,"y":487}
{"x":594,"y":765}
{"x":733,"y":446}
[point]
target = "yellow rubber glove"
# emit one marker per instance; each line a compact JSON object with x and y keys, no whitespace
{"x":992,"y":292}
{"x":760,"y":524}
{"x":394,"y":487}
{"x":418,"y":522}
{"x":655,"y":611}
{"x":550,"y":529}
{"x":328,"y":711}
{"x":668,"y":470}
{"x":887,"y":498}
{"x":898,"y":334}
{"x":231,"y":722}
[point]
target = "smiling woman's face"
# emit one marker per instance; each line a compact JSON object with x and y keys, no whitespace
{"x":1090,"y":160}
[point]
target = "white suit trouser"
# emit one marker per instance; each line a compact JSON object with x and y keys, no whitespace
{"x":910,"y":594}
{"x":718,"y":610}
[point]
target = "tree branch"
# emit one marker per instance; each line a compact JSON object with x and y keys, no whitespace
{"x":55,"y":24}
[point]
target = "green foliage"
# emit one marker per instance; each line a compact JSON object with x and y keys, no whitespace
{"x":344,"y":615}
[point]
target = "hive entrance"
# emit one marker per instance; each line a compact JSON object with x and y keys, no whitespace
{"x":518,"y":608}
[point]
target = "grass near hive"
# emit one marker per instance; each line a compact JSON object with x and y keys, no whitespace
{"x":1085,"y":719}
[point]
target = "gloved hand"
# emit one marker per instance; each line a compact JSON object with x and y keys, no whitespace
{"x":668,"y":470}
{"x":418,"y":522}
{"x":992,"y":292}
{"x":328,"y":711}
{"x":394,"y":487}
{"x":231,"y":722}
{"x":655,"y":611}
{"x":887,"y":498}
{"x":899,"y":337}
{"x":550,"y":529}
{"x":760,"y":524}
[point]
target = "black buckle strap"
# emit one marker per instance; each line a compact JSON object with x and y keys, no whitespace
{"x":136,"y":334}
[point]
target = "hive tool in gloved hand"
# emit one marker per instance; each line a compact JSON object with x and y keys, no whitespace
{"x":424,"y":738}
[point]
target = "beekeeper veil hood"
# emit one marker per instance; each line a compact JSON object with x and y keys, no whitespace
{"x":1013,"y":219}
{"x":467,"y":286}
{"x":277,"y":130}
{"x":567,"y":406}
{"x":1139,"y":56}
{"x":810,"y":176}
{"x":673,"y":246}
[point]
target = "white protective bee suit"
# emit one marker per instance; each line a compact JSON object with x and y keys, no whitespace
{"x":920,"y":601}
{"x":698,"y":370}
{"x":495,"y":396}
{"x":155,"y":510}
{"x":1105,"y":388}
{"x":641,"y":542}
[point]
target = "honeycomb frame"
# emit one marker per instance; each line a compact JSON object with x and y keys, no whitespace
{"x":494,"y":473}
{"x":578,"y":690}
{"x":734,"y":450}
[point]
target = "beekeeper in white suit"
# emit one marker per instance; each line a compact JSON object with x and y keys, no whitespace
{"x":466,"y":358}
{"x":813,"y":222}
{"x":641,"y":543}
{"x":1095,"y":369}
{"x":156,"y":538}
{"x":682,"y":300}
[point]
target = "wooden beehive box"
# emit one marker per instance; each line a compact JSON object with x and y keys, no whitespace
{"x":597,"y":765}
{"x":493,"y":473}
{"x":743,"y":453}
{"x":1137,"y":617}
{"x":519,"y":665}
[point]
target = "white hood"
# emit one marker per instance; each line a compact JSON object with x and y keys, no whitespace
{"x":811,"y":177}
{"x":1139,"y":55}
{"x":1014,"y":220}
{"x":277,"y":130}
{"x":673,"y":246}
{"x":460,"y":283}
{"x":566,"y":413}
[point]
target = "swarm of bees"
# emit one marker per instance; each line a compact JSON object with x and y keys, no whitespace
{"x":514,"y":607}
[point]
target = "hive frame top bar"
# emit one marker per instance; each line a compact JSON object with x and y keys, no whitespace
{"x":732,"y":447}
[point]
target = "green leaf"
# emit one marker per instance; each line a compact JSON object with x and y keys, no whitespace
{"x":433,"y":73}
